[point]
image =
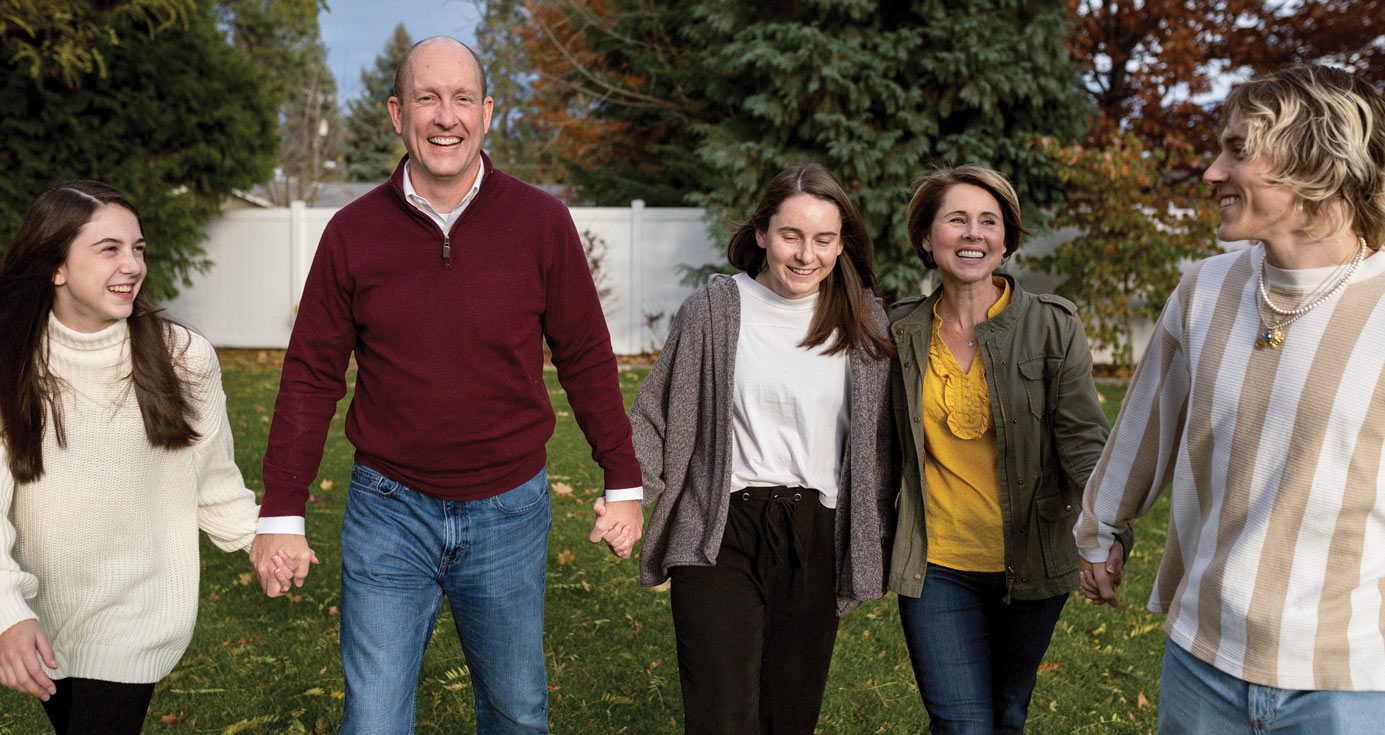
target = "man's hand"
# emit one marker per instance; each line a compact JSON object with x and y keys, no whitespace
{"x":279,"y":560}
{"x":619,"y":524}
{"x":1099,"y":581}
{"x":20,"y":648}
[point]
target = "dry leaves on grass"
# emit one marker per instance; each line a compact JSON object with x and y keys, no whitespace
{"x":565,"y":557}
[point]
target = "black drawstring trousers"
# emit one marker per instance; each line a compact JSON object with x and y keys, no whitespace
{"x":755,"y":631}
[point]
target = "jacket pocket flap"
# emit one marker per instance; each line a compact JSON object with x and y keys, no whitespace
{"x":1054,"y":508}
{"x":1032,"y":368}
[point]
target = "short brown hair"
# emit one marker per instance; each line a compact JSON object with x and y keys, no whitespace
{"x":1322,"y":132}
{"x":843,"y":306}
{"x":932,"y":187}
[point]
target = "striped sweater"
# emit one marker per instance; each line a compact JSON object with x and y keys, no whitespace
{"x":1274,"y":566}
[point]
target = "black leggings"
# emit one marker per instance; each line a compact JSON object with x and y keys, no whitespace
{"x":96,"y":707}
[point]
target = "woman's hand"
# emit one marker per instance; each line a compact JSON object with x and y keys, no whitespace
{"x":20,"y":648}
{"x":1099,"y":581}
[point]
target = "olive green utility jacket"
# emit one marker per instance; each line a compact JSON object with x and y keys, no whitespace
{"x":1049,"y":430}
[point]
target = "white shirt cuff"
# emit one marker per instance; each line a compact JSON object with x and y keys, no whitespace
{"x":282,"y":524}
{"x":626,"y":493}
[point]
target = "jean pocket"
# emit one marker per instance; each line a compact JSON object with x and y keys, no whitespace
{"x":524,"y":498}
{"x":366,"y":480}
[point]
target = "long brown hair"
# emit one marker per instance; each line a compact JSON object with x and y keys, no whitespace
{"x":843,"y":305}
{"x":29,"y":392}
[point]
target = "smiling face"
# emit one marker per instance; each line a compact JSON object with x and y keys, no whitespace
{"x":96,"y":285}
{"x":801,"y":245}
{"x":442,"y":117}
{"x":1252,"y":207}
{"x":967,"y":237}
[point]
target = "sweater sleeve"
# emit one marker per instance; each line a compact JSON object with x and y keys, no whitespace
{"x":575,"y":327}
{"x":888,"y":462}
{"x":649,"y":411}
{"x":313,"y":380}
{"x":1138,"y":461}
{"x":16,"y":585}
{"x":226,"y":509}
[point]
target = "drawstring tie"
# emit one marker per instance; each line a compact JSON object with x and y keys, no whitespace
{"x":780,"y":540}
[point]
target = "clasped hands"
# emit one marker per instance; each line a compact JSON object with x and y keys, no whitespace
{"x":619,"y":524}
{"x":1098,"y":582}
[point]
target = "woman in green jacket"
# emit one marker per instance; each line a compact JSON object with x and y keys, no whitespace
{"x":1000,"y":425}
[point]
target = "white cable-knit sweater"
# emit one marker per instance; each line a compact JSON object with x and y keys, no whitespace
{"x":102,"y":550}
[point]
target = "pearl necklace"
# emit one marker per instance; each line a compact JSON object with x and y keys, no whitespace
{"x":1273,"y":334}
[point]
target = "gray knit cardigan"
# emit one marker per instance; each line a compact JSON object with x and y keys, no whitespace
{"x":682,"y":426}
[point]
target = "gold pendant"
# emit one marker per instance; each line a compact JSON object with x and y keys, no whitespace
{"x":1271,"y":338}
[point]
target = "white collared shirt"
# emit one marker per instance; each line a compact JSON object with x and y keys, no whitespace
{"x":426,"y":207}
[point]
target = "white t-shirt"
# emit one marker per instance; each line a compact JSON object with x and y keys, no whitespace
{"x":790,"y":411}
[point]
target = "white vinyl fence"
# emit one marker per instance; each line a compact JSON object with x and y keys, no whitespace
{"x":261,"y":257}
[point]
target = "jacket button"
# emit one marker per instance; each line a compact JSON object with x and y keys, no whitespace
{"x":1024,"y":579}
{"x":1002,"y":362}
{"x":1068,"y":506}
{"x":916,"y":419}
{"x":1021,"y":482}
{"x":1014,"y":421}
{"x":918,"y":576}
{"x":906,"y":364}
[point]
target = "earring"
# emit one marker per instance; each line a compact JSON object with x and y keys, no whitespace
{"x":928,"y":260}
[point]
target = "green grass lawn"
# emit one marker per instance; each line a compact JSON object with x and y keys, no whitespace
{"x":271,"y":666}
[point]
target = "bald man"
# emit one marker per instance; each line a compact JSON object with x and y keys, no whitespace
{"x":445,"y":282}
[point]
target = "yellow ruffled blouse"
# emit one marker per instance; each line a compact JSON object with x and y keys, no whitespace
{"x":962,"y":496}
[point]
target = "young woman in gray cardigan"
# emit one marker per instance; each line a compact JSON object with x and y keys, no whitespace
{"x":764,"y":437}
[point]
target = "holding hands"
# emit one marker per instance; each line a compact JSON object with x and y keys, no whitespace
{"x":281,"y":559}
{"x":1099,"y":581}
{"x":619,"y":524}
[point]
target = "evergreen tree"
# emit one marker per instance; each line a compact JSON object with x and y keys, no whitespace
{"x":177,"y":122}
{"x":372,"y":148}
{"x":713,"y":97}
{"x":283,"y":39}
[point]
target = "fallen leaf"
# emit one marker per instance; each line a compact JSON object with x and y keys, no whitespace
{"x":565,"y":557}
{"x":245,"y":578}
{"x":1047,"y":666}
{"x":332,"y":610}
{"x":325,"y":484}
{"x":561,"y":489}
{"x":1141,"y":700}
{"x":171,"y":718}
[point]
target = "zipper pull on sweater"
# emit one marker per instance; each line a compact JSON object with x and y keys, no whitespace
{"x":446,"y":247}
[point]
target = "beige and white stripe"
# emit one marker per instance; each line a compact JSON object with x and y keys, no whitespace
{"x":1274,"y":567}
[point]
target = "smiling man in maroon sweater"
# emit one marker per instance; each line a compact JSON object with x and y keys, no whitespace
{"x":444,"y":282}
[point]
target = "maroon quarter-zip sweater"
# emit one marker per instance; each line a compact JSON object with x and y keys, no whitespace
{"x":448,"y":333}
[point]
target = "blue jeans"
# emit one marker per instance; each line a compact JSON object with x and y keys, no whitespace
{"x":401,"y":552}
{"x":1196,"y":697}
{"x":975,"y":658}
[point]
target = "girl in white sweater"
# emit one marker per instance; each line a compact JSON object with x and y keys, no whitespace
{"x":116,"y":449}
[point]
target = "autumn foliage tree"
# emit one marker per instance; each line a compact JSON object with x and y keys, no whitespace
{"x":1132,"y":187}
